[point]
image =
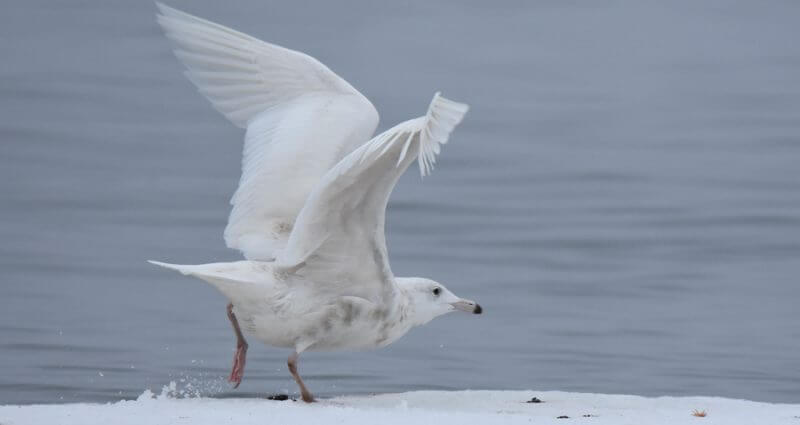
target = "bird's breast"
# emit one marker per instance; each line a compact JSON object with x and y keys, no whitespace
{"x":356,"y":324}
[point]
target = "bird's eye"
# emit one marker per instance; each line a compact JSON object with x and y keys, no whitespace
{"x":437,"y":291}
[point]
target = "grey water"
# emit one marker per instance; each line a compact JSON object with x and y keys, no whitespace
{"x":623,"y":198}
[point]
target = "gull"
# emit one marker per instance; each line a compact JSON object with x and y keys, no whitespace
{"x":309,"y":212}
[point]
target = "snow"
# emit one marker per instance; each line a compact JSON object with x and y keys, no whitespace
{"x":420,"y":407}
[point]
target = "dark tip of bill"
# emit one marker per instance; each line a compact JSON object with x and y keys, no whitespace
{"x":478,"y":309}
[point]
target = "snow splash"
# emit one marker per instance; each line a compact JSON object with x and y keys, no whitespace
{"x":187,"y":386}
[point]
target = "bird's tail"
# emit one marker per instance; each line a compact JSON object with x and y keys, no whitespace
{"x":240,"y":280}
{"x":184,"y":269}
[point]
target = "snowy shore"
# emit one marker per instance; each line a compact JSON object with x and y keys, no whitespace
{"x":422,"y":407}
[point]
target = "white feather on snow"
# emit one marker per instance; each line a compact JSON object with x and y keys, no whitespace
{"x":421,"y":407}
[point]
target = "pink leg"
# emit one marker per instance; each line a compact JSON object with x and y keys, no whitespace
{"x":304,"y":392}
{"x":237,"y":372}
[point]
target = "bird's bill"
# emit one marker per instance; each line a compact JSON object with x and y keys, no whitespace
{"x":467,"y":306}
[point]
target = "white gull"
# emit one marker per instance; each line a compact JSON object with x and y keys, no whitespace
{"x":309,"y":211}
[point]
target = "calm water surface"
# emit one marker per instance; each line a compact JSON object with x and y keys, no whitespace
{"x":623,"y":198}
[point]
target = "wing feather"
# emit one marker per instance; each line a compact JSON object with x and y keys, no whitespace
{"x":339,"y":236}
{"x":301,"y":119}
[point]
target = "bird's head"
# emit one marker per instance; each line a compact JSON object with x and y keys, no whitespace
{"x":429,"y":299}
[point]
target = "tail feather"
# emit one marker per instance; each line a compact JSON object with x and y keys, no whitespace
{"x":184,"y":269}
{"x":240,"y":281}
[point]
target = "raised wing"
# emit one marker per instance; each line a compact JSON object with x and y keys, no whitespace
{"x":339,"y":239}
{"x":301,"y":119}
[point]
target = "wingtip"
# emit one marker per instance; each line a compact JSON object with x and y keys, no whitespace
{"x":441,"y":101}
{"x":164,"y":9}
{"x":442,"y":118}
